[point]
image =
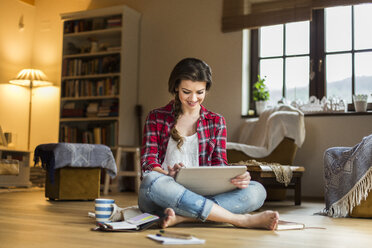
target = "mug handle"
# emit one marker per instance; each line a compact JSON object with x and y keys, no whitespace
{"x":114,"y":211}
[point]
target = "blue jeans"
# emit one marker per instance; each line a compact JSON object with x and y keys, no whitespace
{"x":158,"y":192}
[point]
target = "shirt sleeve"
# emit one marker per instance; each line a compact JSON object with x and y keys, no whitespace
{"x":150,"y":144}
{"x":219,"y":153}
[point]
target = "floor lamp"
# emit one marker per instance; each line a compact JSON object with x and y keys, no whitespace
{"x":30,"y":78}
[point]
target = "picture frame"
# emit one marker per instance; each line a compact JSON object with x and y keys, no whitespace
{"x":3,"y":141}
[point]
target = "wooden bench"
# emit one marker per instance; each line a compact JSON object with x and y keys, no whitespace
{"x":264,"y":175}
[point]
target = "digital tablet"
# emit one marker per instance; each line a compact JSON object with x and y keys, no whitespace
{"x":209,"y":180}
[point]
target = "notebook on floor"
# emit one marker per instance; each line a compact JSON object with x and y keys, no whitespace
{"x":209,"y":180}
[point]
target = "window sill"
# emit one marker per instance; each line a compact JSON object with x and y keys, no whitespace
{"x":349,"y":113}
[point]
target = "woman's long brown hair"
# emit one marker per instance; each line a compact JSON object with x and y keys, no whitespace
{"x":192,"y":69}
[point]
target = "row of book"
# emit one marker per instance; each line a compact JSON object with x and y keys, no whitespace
{"x":105,"y":108}
{"x":106,"y":135}
{"x":102,"y":87}
{"x":85,"y":25}
{"x":91,"y":66}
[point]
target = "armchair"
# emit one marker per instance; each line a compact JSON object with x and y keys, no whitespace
{"x":273,"y":138}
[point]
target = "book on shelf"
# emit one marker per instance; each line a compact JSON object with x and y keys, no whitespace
{"x":114,"y":22}
{"x":91,"y":66}
{"x":90,"y":87}
{"x":72,"y":109}
{"x":97,"y":131}
{"x":98,"y":23}
{"x":108,"y":108}
{"x":87,"y":137}
{"x":92,"y":109}
{"x":97,"y":135}
{"x":68,"y":134}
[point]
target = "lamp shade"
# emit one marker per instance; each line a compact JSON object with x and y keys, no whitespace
{"x":31,"y":78}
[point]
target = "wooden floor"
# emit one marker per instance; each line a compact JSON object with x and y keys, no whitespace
{"x":27,"y":219}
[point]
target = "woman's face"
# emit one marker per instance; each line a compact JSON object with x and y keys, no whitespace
{"x":191,"y":94}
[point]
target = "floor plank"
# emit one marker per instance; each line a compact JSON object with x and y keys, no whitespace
{"x":28,"y":219}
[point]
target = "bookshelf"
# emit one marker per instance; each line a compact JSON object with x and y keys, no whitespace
{"x":99,"y":76}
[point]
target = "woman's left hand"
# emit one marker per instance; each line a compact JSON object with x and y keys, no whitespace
{"x":242,"y":181}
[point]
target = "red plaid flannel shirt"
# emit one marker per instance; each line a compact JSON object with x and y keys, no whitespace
{"x":211,"y":129}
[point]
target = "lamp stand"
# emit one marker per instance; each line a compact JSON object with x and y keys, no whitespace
{"x":29,"y":119}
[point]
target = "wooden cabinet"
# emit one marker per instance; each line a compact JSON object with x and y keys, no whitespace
{"x":99,"y":76}
{"x":22,"y":179}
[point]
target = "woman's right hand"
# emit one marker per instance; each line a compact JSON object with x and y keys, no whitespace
{"x":172,"y":171}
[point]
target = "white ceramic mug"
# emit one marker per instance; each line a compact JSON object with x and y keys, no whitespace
{"x":104,"y":209}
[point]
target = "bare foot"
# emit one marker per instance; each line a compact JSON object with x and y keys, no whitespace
{"x":171,"y":218}
{"x":266,"y":220}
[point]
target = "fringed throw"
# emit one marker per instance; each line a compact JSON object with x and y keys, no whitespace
{"x":283,"y":173}
{"x":348,"y":177}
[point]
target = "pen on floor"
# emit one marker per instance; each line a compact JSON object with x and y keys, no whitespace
{"x":176,"y":235}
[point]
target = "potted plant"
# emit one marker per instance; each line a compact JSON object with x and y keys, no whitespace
{"x":260,"y":94}
{"x":360,"y":102}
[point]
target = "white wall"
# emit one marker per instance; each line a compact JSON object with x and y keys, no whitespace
{"x":47,"y":56}
{"x":15,"y":54}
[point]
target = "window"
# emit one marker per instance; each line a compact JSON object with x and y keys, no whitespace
{"x":329,"y":56}
{"x":348,"y":51}
{"x":285,"y":62}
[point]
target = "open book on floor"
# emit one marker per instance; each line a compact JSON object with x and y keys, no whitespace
{"x":288,"y":225}
{"x":137,"y":223}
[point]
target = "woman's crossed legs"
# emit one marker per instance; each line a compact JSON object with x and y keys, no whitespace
{"x":161,"y":195}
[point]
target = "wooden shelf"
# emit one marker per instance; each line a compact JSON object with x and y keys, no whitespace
{"x":89,"y":119}
{"x":92,"y":76}
{"x":82,"y":55}
{"x":105,"y":32}
{"x":84,"y":98}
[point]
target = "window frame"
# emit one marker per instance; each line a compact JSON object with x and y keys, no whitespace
{"x":317,"y":83}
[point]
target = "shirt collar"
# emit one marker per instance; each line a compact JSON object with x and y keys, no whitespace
{"x":204,"y":113}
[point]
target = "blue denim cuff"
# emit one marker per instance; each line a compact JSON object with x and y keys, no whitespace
{"x":206,"y":210}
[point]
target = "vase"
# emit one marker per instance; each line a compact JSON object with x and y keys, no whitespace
{"x":360,"y":106}
{"x":260,"y":106}
{"x":360,"y":102}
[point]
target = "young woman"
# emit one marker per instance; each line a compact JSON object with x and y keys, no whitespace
{"x":184,"y":133}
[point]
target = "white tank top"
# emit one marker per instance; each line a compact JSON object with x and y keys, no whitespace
{"x":188,"y":154}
